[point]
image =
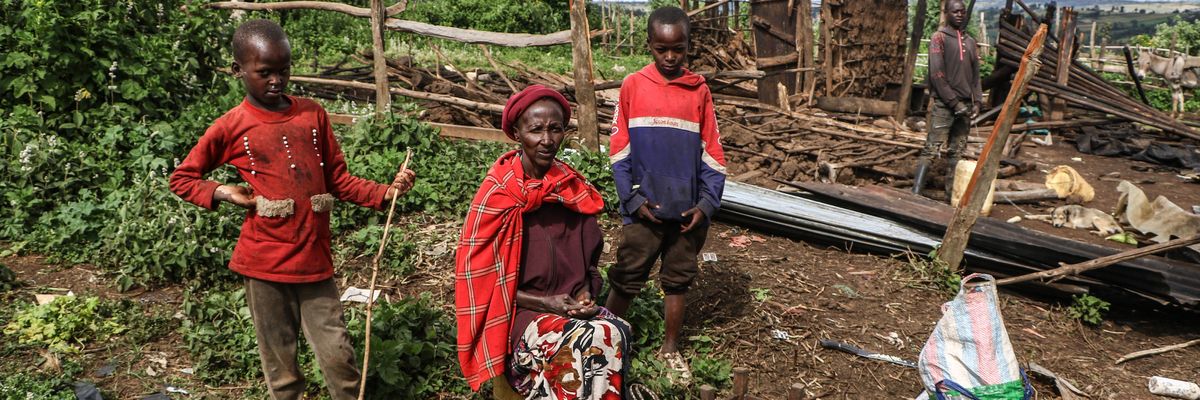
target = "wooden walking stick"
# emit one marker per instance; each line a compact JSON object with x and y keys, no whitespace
{"x":362,"y":384}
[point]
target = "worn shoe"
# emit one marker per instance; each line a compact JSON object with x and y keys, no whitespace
{"x":681,"y":372}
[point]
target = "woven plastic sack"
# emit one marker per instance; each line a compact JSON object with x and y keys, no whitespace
{"x":969,"y":354}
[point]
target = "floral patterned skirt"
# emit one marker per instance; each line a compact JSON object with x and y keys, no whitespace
{"x":559,"y":358}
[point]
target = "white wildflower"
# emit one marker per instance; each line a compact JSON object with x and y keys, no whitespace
{"x":113,"y":67}
{"x":52,"y":141}
{"x":82,"y":94}
{"x":27,"y":153}
{"x":187,"y":229}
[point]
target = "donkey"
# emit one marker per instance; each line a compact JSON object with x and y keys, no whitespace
{"x":1179,"y":72}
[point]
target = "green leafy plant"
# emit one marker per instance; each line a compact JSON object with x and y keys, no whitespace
{"x":760,"y":294}
{"x":1088,"y":308}
{"x":8,"y":279}
{"x":68,"y":323}
{"x":412,"y":350}
{"x":594,"y":166}
{"x":31,"y":385}
{"x":219,"y":334}
{"x":931,"y":272}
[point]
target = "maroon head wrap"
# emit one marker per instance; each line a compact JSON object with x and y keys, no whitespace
{"x":517,"y":104}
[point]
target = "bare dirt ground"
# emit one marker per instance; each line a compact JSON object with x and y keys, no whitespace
{"x":771,"y":284}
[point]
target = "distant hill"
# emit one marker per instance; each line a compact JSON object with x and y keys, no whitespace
{"x":1131,"y":5}
{"x":1119,"y":21}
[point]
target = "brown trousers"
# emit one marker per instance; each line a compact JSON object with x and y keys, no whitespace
{"x":279,"y":310}
{"x":644,"y":243}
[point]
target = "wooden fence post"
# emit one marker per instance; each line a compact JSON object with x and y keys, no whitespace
{"x":983,"y":33}
{"x":383,"y":97}
{"x":804,"y":45}
{"x":1103,"y":50}
{"x":585,"y":93}
{"x":1092,"y":45}
{"x":958,"y":231}
{"x":910,"y":59}
{"x":1066,"y":43}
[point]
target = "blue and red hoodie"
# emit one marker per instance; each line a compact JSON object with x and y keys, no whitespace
{"x":665,"y":147}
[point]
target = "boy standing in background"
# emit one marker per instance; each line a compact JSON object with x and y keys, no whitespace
{"x":670,"y":171}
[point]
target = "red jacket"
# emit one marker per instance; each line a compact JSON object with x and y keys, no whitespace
{"x":282,"y":155}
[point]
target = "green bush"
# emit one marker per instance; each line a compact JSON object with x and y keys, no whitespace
{"x":448,"y":172}
{"x":1088,"y":308}
{"x":64,"y":57}
{"x":68,"y":323}
{"x":412,"y":350}
{"x":219,"y":334}
{"x":594,"y":166}
{"x":32,"y":385}
{"x":8,"y":279}
{"x":531,"y":16}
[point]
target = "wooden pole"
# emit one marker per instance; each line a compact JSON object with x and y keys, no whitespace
{"x":983,"y":33}
{"x":958,"y":232}
{"x":585,"y":94}
{"x":1079,"y":268}
{"x":387,"y":226}
{"x":910,"y":60}
{"x":616,"y":21}
{"x":804,"y":44}
{"x":383,"y":98}
{"x":604,"y":25}
{"x":1092,"y":45}
{"x":1066,"y":44}
{"x":1137,"y":82}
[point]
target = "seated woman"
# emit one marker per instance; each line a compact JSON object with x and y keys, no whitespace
{"x":525,"y":270}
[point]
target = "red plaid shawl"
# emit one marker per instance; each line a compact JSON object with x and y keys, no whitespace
{"x":489,"y":253}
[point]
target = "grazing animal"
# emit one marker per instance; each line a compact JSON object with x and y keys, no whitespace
{"x":1080,"y":217}
{"x":1179,"y":72}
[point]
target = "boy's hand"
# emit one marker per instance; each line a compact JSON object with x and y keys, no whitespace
{"x":694,"y":216}
{"x":401,"y":184}
{"x":240,"y":196}
{"x":644,"y":213}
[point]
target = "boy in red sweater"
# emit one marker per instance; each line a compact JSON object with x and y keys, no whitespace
{"x":284,"y":148}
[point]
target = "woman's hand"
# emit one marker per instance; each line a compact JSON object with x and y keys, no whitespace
{"x":562,"y":305}
{"x":587,"y":307}
{"x":240,"y":196}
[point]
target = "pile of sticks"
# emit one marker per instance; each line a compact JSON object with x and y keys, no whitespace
{"x":1085,"y":89}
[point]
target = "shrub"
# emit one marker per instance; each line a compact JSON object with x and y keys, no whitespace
{"x":68,"y":323}
{"x":412,"y":350}
{"x":533,"y":16}
{"x":219,"y":334}
{"x":1088,"y":308}
{"x":64,"y":57}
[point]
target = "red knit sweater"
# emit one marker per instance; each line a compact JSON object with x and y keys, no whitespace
{"x":282,"y":155}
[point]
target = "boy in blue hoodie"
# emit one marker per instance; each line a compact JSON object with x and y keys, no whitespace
{"x":670,"y":171}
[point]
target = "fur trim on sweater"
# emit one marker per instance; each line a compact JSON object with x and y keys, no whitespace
{"x":322,"y":202}
{"x":275,"y":208}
